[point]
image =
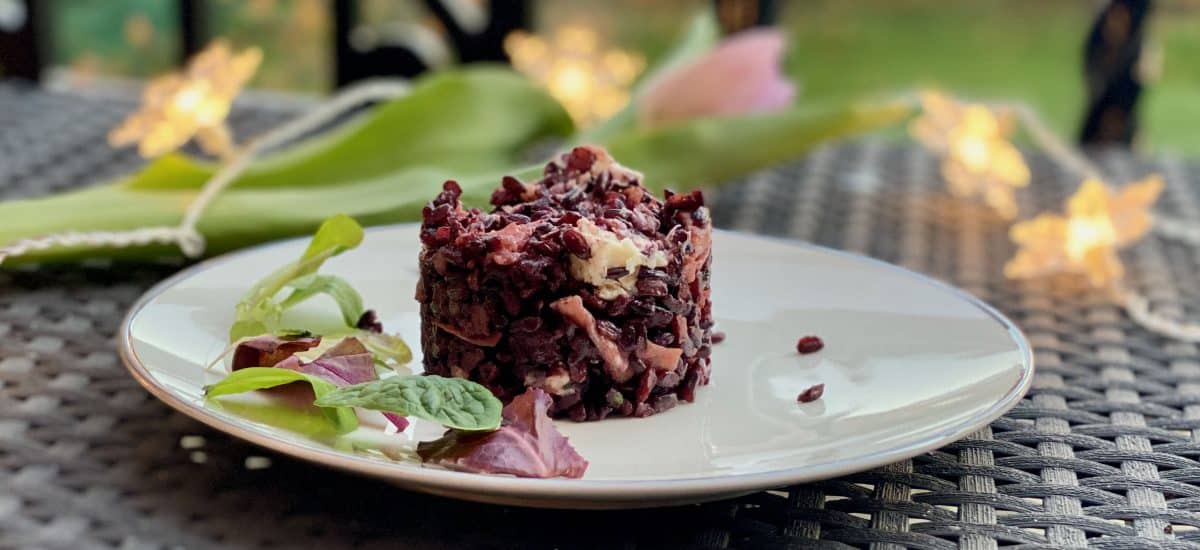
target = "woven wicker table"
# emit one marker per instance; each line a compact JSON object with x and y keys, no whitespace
{"x":1101,"y":454}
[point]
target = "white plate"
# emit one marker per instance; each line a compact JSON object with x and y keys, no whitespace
{"x":909,"y":365}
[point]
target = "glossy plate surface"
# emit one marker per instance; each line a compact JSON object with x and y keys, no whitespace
{"x":909,"y":365}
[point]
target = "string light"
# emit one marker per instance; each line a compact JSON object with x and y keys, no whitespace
{"x":1098,"y":222}
{"x":591,"y":83}
{"x":978,"y":160}
{"x":194,"y":103}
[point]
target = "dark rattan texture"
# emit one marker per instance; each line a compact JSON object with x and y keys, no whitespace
{"x":1101,"y":454}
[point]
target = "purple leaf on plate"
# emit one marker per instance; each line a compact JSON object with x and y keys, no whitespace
{"x":400,"y":422}
{"x":268,"y":349}
{"x":527,"y":445}
{"x":345,"y":364}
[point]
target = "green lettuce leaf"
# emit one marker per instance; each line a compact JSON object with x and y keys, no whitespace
{"x":387,"y":349}
{"x":348,"y":300}
{"x":453,"y":402}
{"x":259,"y":378}
{"x":259,"y":312}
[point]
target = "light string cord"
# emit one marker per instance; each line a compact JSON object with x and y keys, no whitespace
{"x":185,"y":235}
{"x":240,"y":160}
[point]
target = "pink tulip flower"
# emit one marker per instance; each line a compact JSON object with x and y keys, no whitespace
{"x":740,"y":75}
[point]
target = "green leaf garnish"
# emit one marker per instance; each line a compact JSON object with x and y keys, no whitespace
{"x":387,"y":349}
{"x":452,"y":402}
{"x":348,"y":300}
{"x":309,"y":423}
{"x":336,"y":235}
{"x":260,"y":313}
{"x":260,"y":378}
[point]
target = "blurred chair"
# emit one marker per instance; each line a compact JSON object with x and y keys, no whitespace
{"x":739,"y":15}
{"x":19,"y":52}
{"x":475,"y":33}
{"x":1111,"y":56}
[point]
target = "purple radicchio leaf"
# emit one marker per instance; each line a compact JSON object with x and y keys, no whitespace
{"x":400,"y":422}
{"x":526,"y":445}
{"x":268,"y":349}
{"x":345,"y":364}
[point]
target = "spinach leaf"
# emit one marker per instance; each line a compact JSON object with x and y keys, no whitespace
{"x":389,"y":350}
{"x":453,"y":402}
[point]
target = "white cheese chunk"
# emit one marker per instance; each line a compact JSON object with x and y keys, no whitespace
{"x":610,"y":251}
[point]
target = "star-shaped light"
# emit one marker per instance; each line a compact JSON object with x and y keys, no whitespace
{"x":1099,"y":221}
{"x":978,"y":160}
{"x":193,"y":103}
{"x":591,"y":83}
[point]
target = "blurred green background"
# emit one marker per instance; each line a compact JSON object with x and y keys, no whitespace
{"x":1027,"y":50}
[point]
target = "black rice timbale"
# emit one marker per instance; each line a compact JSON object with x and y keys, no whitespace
{"x":582,"y":284}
